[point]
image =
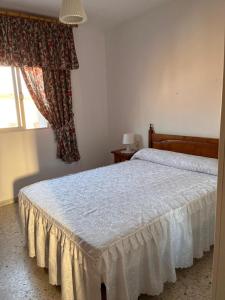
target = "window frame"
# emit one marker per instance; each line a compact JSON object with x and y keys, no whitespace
{"x":19,"y":104}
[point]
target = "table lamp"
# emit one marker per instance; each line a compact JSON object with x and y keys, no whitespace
{"x":128,"y":140}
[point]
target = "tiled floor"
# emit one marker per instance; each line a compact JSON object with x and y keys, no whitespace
{"x":20,"y":278}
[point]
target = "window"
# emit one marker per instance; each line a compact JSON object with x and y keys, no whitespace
{"x":17,"y":108}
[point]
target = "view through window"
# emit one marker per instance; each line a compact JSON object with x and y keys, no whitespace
{"x":17,"y":108}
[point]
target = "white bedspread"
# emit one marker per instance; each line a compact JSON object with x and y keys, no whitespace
{"x":128,"y":225}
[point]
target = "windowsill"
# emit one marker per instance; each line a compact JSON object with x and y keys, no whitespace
{"x":15,"y":129}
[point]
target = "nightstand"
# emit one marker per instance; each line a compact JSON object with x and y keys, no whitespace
{"x":120,"y":156}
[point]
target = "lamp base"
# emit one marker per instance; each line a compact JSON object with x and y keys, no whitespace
{"x":127,"y":150}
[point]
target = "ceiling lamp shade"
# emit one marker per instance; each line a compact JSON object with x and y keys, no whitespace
{"x":72,"y":12}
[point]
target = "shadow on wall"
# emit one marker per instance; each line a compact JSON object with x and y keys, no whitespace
{"x":25,"y":181}
{"x":139,"y":144}
{"x":38,"y":160}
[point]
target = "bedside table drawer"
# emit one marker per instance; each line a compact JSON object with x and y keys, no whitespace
{"x":118,"y":159}
{"x":120,"y":156}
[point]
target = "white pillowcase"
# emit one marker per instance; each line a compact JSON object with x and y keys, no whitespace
{"x":179,"y":160}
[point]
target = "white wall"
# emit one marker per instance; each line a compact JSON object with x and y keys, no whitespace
{"x":90,"y":93}
{"x":30,"y":156}
{"x":166,"y":68}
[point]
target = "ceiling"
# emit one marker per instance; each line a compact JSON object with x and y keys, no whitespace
{"x":106,"y":13}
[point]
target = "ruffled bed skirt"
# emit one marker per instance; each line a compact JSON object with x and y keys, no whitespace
{"x":137,"y":264}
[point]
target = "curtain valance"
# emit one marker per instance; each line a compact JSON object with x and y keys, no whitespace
{"x":25,"y":42}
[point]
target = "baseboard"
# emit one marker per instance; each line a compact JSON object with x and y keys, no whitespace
{"x":7,"y":202}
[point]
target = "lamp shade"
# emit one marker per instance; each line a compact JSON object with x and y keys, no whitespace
{"x":72,"y":12}
{"x":128,"y":138}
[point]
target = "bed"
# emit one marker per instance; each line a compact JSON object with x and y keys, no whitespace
{"x":127,"y":226}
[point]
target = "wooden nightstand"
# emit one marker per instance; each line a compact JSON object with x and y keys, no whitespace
{"x":120,"y":156}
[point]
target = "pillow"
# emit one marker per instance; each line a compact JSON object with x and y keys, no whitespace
{"x":179,"y":160}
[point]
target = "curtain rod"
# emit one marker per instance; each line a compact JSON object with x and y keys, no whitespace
{"x":14,"y":13}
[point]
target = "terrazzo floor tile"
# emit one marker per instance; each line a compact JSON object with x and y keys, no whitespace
{"x":20,"y":278}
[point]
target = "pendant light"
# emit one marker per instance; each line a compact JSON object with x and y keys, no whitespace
{"x":72,"y":12}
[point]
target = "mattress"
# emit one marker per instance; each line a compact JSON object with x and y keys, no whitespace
{"x":129,"y":225}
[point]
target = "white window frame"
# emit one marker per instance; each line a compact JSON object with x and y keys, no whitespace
{"x":18,"y":95}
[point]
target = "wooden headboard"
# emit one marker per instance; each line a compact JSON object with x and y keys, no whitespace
{"x":207,"y":147}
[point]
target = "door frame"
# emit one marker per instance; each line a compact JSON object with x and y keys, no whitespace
{"x":219,"y":249}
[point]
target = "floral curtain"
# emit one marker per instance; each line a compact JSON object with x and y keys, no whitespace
{"x":46,"y":54}
{"x":25,"y":42}
{"x":54,"y":101}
